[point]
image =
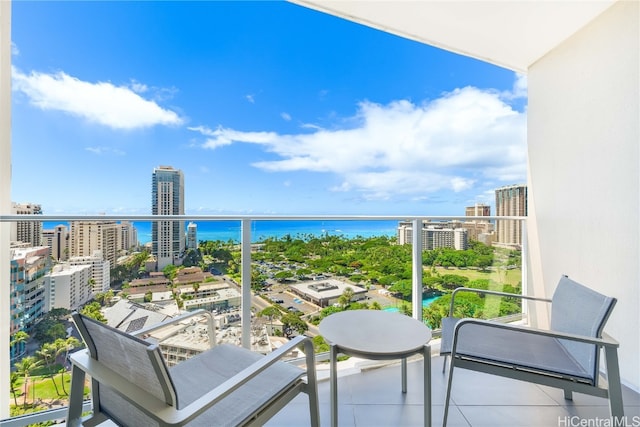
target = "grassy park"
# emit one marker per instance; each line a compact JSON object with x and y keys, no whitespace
{"x":501,"y":276}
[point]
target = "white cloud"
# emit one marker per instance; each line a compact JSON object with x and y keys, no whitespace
{"x":14,"y":49}
{"x":138,"y":87}
{"x":250,"y":98}
{"x":286,"y":116}
{"x":454,"y":143}
{"x":105,"y":150}
{"x":519,"y":88}
{"x":118,"y":107}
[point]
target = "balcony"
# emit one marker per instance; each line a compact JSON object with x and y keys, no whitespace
{"x":369,"y":392}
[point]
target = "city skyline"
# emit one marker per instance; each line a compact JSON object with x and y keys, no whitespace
{"x":266,"y":107}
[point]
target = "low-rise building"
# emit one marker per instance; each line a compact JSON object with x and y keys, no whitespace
{"x":222,"y":299}
{"x":326,"y":292}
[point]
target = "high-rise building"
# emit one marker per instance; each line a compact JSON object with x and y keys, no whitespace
{"x":192,"y":236}
{"x":479,"y":209}
{"x":100,"y":270}
{"x":128,"y":236}
{"x":26,"y":231}
{"x":510,"y":201}
{"x":435,"y":235}
{"x":57,"y":239}
{"x":90,"y":236}
{"x":167,"y":198}
{"x":27,"y":291}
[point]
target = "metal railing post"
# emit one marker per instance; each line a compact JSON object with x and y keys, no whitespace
{"x":246,"y":283}
{"x":416,"y":277}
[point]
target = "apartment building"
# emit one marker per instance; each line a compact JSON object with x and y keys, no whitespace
{"x":100,"y":270}
{"x":29,"y":264}
{"x":167,"y":198}
{"x":128,"y":236}
{"x":26,"y":231}
{"x":68,"y":286}
{"x":479,"y":209}
{"x":90,"y":236}
{"x":510,"y":201}
{"x":57,"y":239}
{"x":192,"y":236}
{"x":449,"y":234}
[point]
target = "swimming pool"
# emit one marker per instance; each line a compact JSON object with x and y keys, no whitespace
{"x":425,"y":303}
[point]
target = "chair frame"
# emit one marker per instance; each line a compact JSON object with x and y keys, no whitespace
{"x":83,"y":363}
{"x":612,"y":390}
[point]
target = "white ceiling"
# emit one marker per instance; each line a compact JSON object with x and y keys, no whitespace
{"x":510,"y":33}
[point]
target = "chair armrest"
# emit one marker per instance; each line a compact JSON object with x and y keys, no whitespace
{"x":600,"y":342}
{"x":488,"y":292}
{"x":178,"y":417}
{"x":168,"y":415}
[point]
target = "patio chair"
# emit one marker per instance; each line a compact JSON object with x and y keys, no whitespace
{"x":566,"y":356}
{"x":223,"y":386}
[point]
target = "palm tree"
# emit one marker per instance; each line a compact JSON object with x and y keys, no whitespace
{"x":345,"y":299}
{"x":47,"y":354}
{"x":18,"y":338}
{"x":14,"y":382}
{"x":63,"y":346}
{"x":24,"y":368}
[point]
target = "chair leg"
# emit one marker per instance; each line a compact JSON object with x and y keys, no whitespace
{"x":427,"y":385}
{"x":312,"y":384}
{"x":313,"y":406}
{"x":74,"y":414}
{"x":568,"y":394}
{"x":444,"y":363}
{"x":448,"y":396}
{"x":616,"y":406}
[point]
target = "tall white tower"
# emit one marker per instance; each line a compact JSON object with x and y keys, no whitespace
{"x":167,"y":198}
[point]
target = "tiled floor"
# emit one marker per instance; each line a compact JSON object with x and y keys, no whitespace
{"x":373,"y":398}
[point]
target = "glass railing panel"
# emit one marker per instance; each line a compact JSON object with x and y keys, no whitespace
{"x":477,"y":260}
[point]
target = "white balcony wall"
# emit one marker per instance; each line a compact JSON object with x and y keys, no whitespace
{"x":584,"y":158}
{"x":5,"y":198}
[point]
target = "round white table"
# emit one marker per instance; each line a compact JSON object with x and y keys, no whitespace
{"x":377,"y":335}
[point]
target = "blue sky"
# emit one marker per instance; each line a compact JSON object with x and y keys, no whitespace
{"x":267,"y":108}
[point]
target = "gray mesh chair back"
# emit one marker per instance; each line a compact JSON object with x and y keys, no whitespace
{"x":134,"y":359}
{"x":578,"y":310}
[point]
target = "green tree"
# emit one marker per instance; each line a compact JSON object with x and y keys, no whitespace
{"x":291,"y":321}
{"x":170,"y":271}
{"x":271,"y":312}
{"x":345,"y":299}
{"x":283,"y":276}
{"x":24,"y":367}
{"x":92,"y":310}
{"x":319,"y":344}
{"x":47,"y":354}
{"x":62,"y":348}
{"x":14,"y":377}
{"x":18,"y":338}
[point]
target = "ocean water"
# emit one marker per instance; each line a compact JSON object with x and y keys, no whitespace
{"x":260,"y":230}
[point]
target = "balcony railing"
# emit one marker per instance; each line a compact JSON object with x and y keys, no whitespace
{"x":245,"y":241}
